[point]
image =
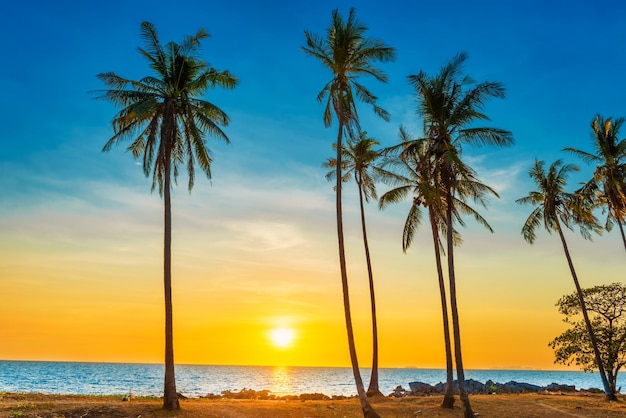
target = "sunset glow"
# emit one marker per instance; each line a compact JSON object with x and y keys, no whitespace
{"x":255,"y":264}
{"x":282,"y":337}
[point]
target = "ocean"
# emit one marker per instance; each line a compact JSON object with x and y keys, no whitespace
{"x":200,"y":380}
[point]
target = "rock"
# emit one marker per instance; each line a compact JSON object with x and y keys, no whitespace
{"x":517,"y":387}
{"x":399,"y":392}
{"x":441,"y":387}
{"x":593,"y":390}
{"x":421,"y":387}
{"x":475,"y":387}
{"x":555,"y":387}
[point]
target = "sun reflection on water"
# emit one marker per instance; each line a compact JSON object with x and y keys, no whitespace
{"x":281,"y":381}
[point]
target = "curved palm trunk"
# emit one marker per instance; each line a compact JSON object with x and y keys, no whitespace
{"x":621,"y":229}
{"x":448,"y":398}
{"x":460,"y":372}
{"x":368,"y":411}
{"x":610,"y":394}
{"x":170,"y":397}
{"x":373,"y":388}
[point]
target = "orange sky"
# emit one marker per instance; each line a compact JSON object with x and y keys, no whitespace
{"x":255,"y":249}
{"x":82,"y":285}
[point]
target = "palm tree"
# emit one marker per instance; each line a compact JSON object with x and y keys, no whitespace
{"x":166,"y":121}
{"x":359,"y":158}
{"x":554,"y":208}
{"x":450,"y":103}
{"x":608,"y":185}
{"x":414,"y":172}
{"x":348,"y":54}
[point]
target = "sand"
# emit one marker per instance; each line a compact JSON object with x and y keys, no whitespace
{"x":502,"y":406}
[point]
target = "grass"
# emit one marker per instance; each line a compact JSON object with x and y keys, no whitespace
{"x":581,"y":405}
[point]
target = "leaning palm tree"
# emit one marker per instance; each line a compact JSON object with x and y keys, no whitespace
{"x":449,"y":104}
{"x":167,"y":122}
{"x":413,"y":172}
{"x":555,"y":208}
{"x":348,"y":54}
{"x":608,"y":185}
{"x":359,"y":160}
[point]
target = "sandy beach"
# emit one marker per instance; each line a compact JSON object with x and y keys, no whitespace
{"x":503,"y":406}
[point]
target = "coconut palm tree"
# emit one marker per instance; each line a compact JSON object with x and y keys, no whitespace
{"x":555,"y":208}
{"x":167,"y":122}
{"x":450,"y":103}
{"x":413,"y":172}
{"x":359,"y":159}
{"x":608,"y":184}
{"x":348,"y":54}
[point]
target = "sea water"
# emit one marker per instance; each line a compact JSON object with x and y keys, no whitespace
{"x":200,"y":380}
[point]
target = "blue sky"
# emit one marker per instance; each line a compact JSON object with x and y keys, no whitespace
{"x":561,"y":62}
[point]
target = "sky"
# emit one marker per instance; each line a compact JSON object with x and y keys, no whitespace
{"x":254,"y":249}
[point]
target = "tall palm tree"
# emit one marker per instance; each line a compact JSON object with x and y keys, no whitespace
{"x":413,"y":172}
{"x":166,"y":121}
{"x":449,"y":104}
{"x":348,"y":53}
{"x":359,"y":160}
{"x":608,"y":184}
{"x":554,"y":208}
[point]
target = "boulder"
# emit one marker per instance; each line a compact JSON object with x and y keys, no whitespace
{"x":421,"y":388}
{"x":555,"y":387}
{"x":519,"y":387}
{"x":399,"y":392}
{"x":475,"y":387}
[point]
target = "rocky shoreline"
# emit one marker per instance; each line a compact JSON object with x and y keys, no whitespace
{"x":472,"y":386}
{"x":475,"y":387}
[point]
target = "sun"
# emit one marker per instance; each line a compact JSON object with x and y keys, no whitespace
{"x":282,"y":337}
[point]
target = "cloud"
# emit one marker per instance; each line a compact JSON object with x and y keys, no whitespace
{"x":260,"y":236}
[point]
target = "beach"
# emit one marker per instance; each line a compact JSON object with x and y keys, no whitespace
{"x":583,"y":405}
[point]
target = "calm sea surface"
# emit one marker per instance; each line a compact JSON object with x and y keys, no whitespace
{"x":195,"y":381}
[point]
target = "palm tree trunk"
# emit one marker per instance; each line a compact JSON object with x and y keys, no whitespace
{"x":373,"y":388}
{"x":448,"y":398}
{"x":170,"y":397}
{"x":621,"y":229}
{"x":610,"y":395}
{"x":460,"y":372}
{"x":368,"y":411}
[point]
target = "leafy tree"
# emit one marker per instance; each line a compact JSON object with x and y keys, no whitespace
{"x":450,"y":103}
{"x":607,"y":306}
{"x":167,"y":122}
{"x":608,"y":184}
{"x":359,"y":160}
{"x":554,"y":208}
{"x":411,"y":170}
{"x":348,"y":54}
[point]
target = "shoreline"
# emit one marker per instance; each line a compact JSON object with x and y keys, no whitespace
{"x":198,"y":381}
{"x":587,"y":405}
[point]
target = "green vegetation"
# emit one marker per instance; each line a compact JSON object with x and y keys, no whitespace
{"x":359,"y":160}
{"x":166,"y":121}
{"x":348,"y":54}
{"x":412,"y":173}
{"x":607,"y":187}
{"x":555,"y":207}
{"x":606,"y":306}
{"x":450,"y":103}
